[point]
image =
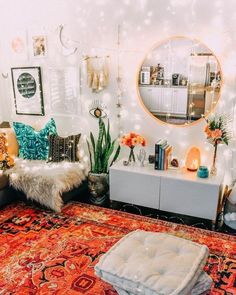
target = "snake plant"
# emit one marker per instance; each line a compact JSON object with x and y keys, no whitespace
{"x":102,"y":150}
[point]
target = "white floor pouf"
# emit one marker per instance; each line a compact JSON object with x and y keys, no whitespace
{"x":200,"y":288}
{"x":153,"y":263}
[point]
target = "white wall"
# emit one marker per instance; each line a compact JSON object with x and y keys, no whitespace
{"x":93,"y":25}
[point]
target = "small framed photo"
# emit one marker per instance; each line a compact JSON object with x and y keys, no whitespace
{"x":28,"y":91}
{"x":39,"y":45}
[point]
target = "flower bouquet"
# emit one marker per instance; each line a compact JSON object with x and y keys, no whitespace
{"x":217,"y":133}
{"x":131,"y":140}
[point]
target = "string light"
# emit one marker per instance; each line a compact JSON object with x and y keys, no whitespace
{"x":119,"y":86}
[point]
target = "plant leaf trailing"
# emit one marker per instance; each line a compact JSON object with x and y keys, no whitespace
{"x":101,"y":151}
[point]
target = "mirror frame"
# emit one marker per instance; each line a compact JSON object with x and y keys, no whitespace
{"x":158,"y":44}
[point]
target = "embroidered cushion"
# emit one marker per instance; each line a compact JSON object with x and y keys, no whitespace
{"x":34,"y":145}
{"x":63,"y":148}
{"x":153,"y":264}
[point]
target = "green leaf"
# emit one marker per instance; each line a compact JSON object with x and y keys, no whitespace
{"x":108,"y":136}
{"x":90,"y":156}
{"x":116,"y":155}
{"x":108,"y":155}
{"x":93,"y":142}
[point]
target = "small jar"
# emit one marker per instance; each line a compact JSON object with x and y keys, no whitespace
{"x":203,"y":172}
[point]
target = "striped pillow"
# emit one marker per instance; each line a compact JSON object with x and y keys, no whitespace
{"x":63,"y":148}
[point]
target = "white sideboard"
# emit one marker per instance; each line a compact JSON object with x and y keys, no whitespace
{"x":177,"y":191}
{"x":159,"y":99}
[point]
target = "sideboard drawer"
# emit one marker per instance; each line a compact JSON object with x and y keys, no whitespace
{"x":134,"y":188}
{"x":189,"y":198}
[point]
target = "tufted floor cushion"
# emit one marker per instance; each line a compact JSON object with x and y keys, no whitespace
{"x":202,"y":286}
{"x":153,"y":263}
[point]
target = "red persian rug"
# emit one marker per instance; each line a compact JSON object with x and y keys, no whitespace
{"x":46,"y":253}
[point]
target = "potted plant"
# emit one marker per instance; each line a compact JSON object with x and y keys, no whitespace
{"x":100,"y":153}
{"x":217,"y":133}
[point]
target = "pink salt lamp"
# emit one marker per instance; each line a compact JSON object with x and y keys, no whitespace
{"x":193,"y":159}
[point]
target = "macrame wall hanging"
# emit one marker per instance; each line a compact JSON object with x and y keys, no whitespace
{"x":97,"y":72}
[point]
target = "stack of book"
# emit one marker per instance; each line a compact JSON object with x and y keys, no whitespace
{"x":162,"y":154}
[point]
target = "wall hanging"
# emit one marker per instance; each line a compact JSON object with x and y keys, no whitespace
{"x":39,"y":45}
{"x":17,"y":45}
{"x":64,"y":90}
{"x":97,"y":72}
{"x":67,"y":47}
{"x":27,"y":89}
{"x":97,"y":109}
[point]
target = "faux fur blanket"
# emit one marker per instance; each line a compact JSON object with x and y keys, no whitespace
{"x":45,"y":182}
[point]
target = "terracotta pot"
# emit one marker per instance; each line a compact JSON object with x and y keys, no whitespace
{"x":3,"y":180}
{"x":98,"y":185}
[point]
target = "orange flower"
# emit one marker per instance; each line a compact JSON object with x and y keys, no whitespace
{"x":134,"y":141}
{"x":143,"y":143}
{"x":123,"y":141}
{"x":132,"y":135}
{"x":128,"y":142}
{"x":208,"y":131}
{"x":217,"y":133}
{"x":139,"y":139}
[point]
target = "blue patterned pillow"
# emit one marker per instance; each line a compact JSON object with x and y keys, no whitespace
{"x":34,"y":145}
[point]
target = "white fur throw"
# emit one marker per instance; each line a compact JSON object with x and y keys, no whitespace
{"x":45,"y":182}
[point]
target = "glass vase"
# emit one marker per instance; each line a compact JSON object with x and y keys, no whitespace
{"x":131,"y":155}
{"x":213,"y":167}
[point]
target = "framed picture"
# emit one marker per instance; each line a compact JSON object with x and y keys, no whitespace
{"x":39,"y":45}
{"x":64,"y":91}
{"x":27,"y":90}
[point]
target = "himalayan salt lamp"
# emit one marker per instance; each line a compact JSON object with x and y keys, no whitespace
{"x":193,"y":159}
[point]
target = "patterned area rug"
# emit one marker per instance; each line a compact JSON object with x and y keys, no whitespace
{"x":46,"y":253}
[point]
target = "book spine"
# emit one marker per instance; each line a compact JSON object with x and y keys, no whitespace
{"x":159,"y":158}
{"x":168,"y":156}
{"x":157,"y":146}
{"x":163,"y":158}
{"x":166,"y":159}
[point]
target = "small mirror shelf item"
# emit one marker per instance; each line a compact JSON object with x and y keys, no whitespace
{"x":27,"y":89}
{"x":180,"y":81}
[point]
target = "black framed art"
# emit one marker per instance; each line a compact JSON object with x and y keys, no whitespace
{"x":28,"y":91}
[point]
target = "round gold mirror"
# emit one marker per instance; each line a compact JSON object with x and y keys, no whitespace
{"x":179,"y":81}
